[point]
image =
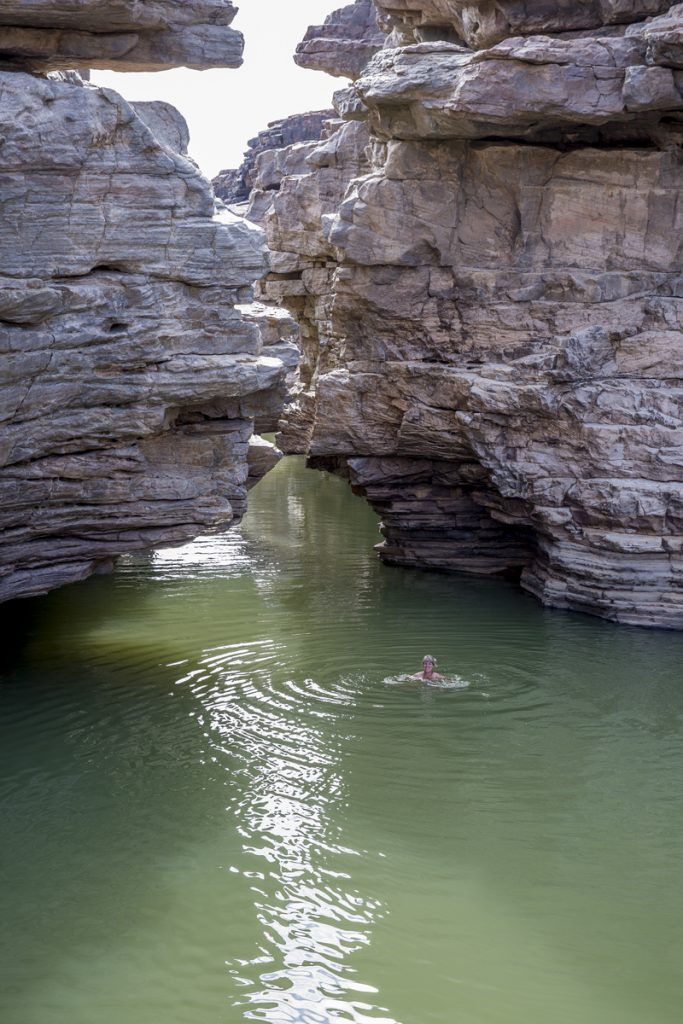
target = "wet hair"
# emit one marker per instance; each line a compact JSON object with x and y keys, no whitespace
{"x":430,"y":657}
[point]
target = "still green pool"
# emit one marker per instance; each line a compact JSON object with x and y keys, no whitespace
{"x":221,"y":802}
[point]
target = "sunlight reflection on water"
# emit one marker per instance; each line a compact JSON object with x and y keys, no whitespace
{"x":224,"y":799}
{"x":286,"y":792}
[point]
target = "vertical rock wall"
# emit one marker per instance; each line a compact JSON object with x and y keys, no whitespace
{"x":129,"y":379}
{"x":498,"y":332}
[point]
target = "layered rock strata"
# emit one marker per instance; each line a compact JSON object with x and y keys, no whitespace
{"x":499,"y":326}
{"x":481,"y":23}
{"x":295,"y":190}
{"x":344,"y":43}
{"x":121,"y":35}
{"x":234,"y":185}
{"x":130,"y":380}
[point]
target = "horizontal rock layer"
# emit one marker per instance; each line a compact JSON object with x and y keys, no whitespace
{"x":233,"y":185}
{"x":482,"y":23}
{"x":344,"y":44}
{"x":121,"y":35}
{"x":491,"y":297}
{"x":539,"y":89}
{"x":130,"y":381}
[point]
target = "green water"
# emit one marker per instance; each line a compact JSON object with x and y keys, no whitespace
{"x":219,"y":802}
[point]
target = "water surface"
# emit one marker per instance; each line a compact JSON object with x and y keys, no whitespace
{"x":221,"y":801}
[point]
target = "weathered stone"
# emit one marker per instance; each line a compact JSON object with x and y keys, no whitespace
{"x":344,"y":44}
{"x":664,"y":38}
{"x":482,"y":23}
{"x":293,"y":208}
{"x":492,"y":331}
{"x":535,"y":88}
{"x":234,"y":185}
{"x":166,"y":124}
{"x":122,"y":35}
{"x":262,"y":457}
{"x":129,"y":382}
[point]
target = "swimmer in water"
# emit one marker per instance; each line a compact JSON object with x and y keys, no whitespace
{"x":428,"y":670}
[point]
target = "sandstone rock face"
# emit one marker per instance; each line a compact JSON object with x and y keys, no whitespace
{"x":234,"y":184}
{"x":492,"y":317}
{"x":481,"y":23}
{"x":121,"y":35}
{"x":344,"y":44}
{"x":130,"y":381}
{"x":297,"y":189}
{"x":536,"y":88}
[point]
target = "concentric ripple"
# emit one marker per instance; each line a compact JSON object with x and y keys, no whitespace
{"x":224,"y":799}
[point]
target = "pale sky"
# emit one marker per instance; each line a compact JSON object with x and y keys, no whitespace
{"x":226,"y":108}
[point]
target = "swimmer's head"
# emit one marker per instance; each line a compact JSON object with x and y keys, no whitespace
{"x":429,"y":660}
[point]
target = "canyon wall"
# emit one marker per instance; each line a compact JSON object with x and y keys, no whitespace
{"x":485,"y":261}
{"x":234,"y":184}
{"x":119,"y":35}
{"x":130,"y":378}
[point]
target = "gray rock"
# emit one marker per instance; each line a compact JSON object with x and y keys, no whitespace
{"x":535,"y":88}
{"x":122,"y":35}
{"x":482,"y":23}
{"x":234,"y":184}
{"x":492,"y":329}
{"x":130,"y":383}
{"x":344,"y":44}
{"x":166,"y":124}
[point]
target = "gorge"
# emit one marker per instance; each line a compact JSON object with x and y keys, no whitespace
{"x":453,"y":299}
{"x":482,"y":253}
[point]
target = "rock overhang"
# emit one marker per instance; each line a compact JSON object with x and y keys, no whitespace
{"x":490,"y":302}
{"x":123,"y":35}
{"x":131,"y":379}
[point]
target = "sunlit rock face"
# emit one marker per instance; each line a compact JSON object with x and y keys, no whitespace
{"x":131,"y":382}
{"x":492,"y":316}
{"x":122,"y":35}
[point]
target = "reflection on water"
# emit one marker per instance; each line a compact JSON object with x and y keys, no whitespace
{"x":311,"y":918}
{"x":225,"y":799}
{"x":285,"y":789}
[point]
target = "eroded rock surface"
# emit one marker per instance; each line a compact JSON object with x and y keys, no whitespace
{"x":482,"y":23}
{"x":234,"y":184}
{"x":492,"y":317}
{"x":121,"y":35}
{"x":297,"y":189}
{"x":344,"y":44}
{"x":130,"y":382}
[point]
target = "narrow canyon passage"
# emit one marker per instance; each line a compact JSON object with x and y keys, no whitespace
{"x":458,"y":284}
{"x":223,"y":802}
